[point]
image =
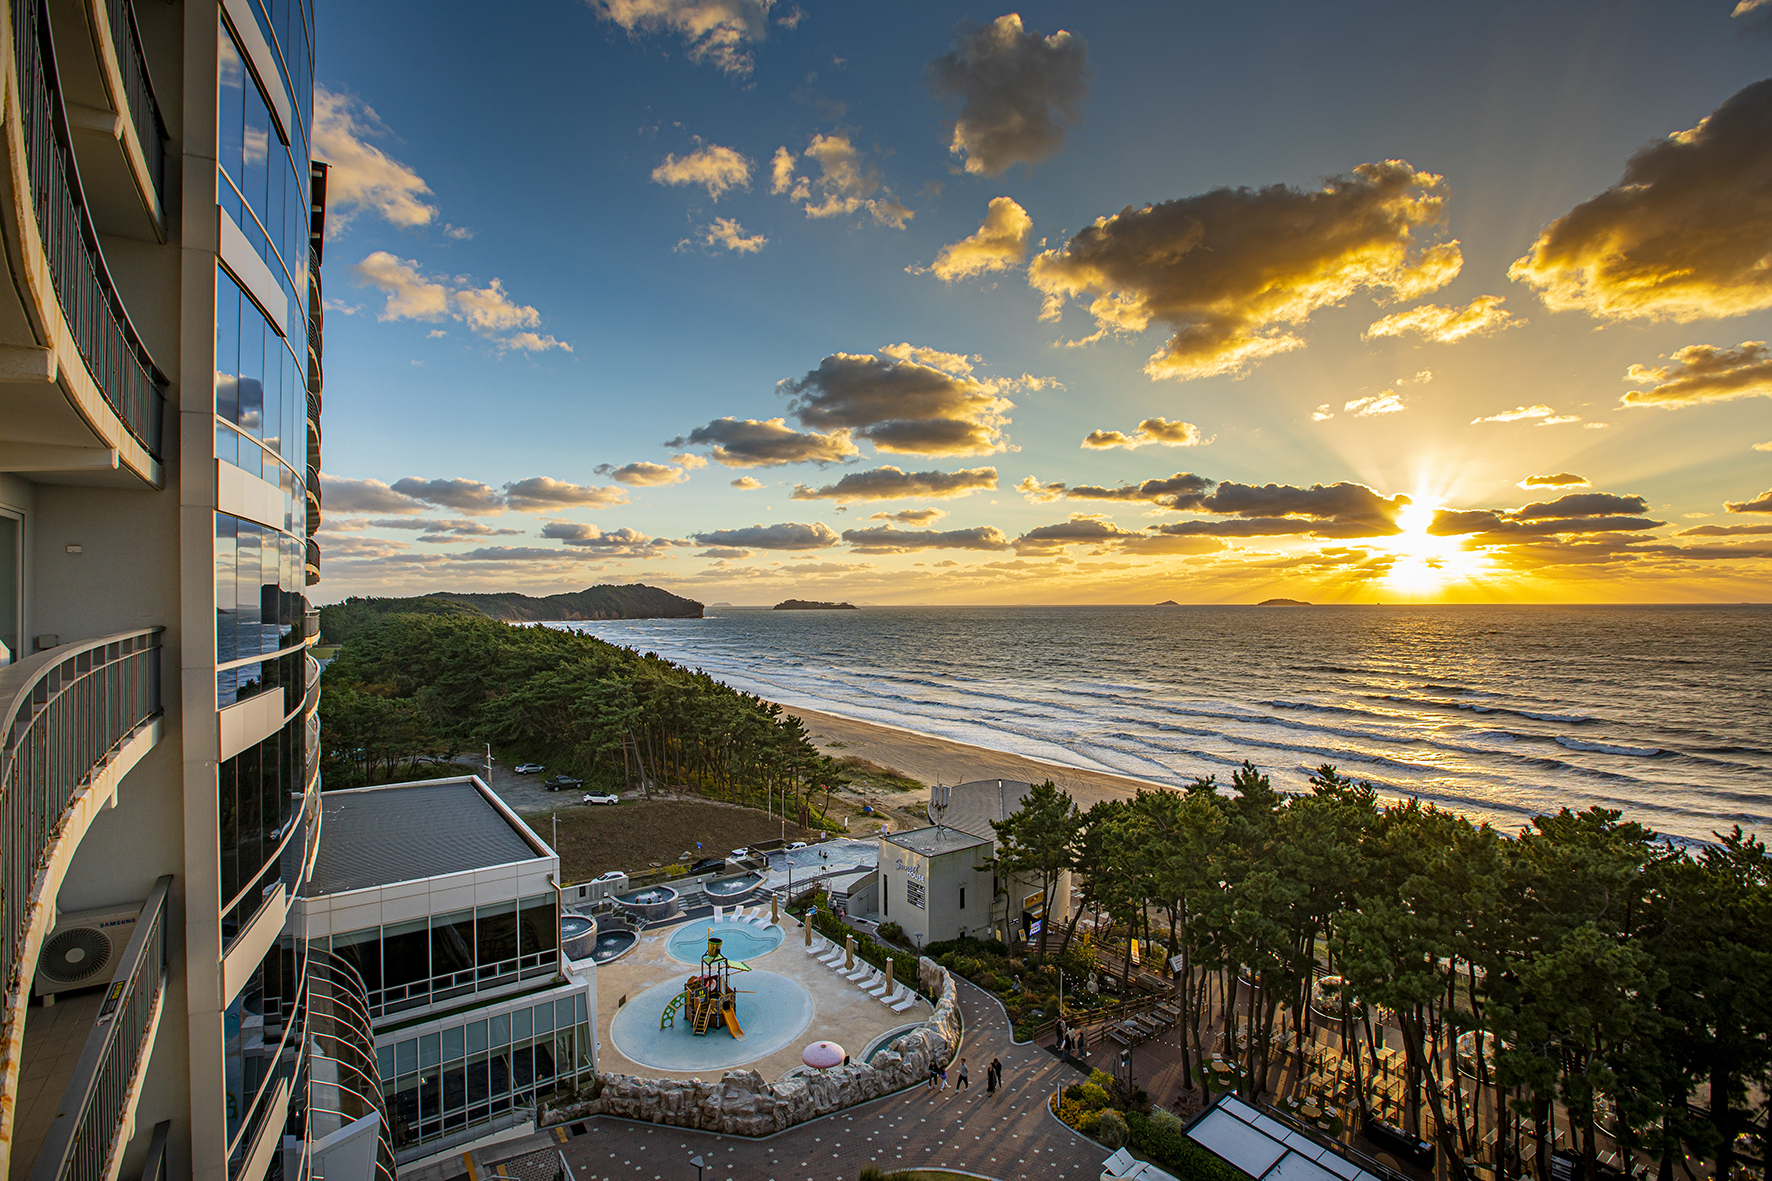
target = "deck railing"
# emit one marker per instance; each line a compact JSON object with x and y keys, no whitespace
{"x":87,"y":1133}
{"x":114,"y":354}
{"x":138,"y":91}
{"x":62,"y":712}
{"x":344,"y":1083}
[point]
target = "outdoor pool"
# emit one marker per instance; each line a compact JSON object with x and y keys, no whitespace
{"x":739,"y":941}
{"x":611,"y":944}
{"x":773,"y":1010}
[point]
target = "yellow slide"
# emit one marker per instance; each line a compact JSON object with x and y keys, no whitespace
{"x":731,"y":1018}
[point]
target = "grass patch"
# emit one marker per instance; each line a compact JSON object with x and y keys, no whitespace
{"x":867,"y":773}
{"x":635,"y":833}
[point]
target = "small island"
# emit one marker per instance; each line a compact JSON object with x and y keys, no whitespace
{"x":809,"y":605}
{"x":1282,"y":603}
{"x":1168,"y":603}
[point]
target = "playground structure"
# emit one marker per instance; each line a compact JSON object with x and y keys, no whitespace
{"x":708,"y":996}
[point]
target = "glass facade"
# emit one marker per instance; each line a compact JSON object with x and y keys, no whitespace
{"x":443,"y":1082}
{"x":427,"y":961}
{"x":262,"y":1041}
{"x":260,"y":795}
{"x":262,"y":181}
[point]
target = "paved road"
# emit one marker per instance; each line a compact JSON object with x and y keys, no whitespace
{"x":1009,"y":1135}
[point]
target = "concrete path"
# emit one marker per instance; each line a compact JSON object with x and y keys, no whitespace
{"x":1009,"y":1135}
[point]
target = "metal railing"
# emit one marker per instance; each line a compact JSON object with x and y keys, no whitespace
{"x":114,"y":354}
{"x":344,"y":1083}
{"x":87,"y":1133}
{"x":138,"y":91}
{"x":62,"y":712}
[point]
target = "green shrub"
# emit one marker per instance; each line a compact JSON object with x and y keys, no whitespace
{"x":870,"y":1173}
{"x":892,"y":932}
{"x":1089,"y":1095}
{"x":1111,"y":1129}
{"x":1158,"y":1138}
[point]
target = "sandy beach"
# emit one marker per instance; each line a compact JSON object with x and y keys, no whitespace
{"x":929,"y":759}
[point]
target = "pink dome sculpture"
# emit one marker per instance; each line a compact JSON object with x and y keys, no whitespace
{"x":823,"y":1055}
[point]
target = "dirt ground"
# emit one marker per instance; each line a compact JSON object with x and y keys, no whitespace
{"x":636,"y":835}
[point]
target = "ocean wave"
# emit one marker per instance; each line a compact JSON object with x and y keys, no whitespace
{"x":1607,"y":748}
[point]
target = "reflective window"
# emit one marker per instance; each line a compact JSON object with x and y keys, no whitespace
{"x":257,"y":794}
{"x":261,"y":182}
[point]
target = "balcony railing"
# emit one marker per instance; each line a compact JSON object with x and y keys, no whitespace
{"x":87,"y":1133}
{"x":114,"y":354}
{"x":344,"y":1084}
{"x":62,"y":713}
{"x":138,"y":89}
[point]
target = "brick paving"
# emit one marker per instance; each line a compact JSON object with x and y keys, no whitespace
{"x":1009,"y":1136}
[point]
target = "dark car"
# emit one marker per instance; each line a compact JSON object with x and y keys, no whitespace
{"x":563,"y":783}
{"x":707,"y":865}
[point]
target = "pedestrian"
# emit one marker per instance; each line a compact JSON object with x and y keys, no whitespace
{"x":965,"y":1083}
{"x":934,"y":1075}
{"x":997,"y":1070}
{"x":990,"y":1079}
{"x":1061,"y":1042}
{"x":942,"y":1073}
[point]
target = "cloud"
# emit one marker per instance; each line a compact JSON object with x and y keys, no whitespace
{"x":746,"y":442}
{"x":1442,"y":325}
{"x":1704,"y":373}
{"x":885,"y":539}
{"x":787,"y":535}
{"x":1151,"y":430}
{"x":845,"y":184}
{"x":713,"y":167}
{"x":1545,"y":415}
{"x":1018,"y":92}
{"x":466,"y":496}
{"x":489,"y":311}
{"x":890,"y":483}
{"x":1322,"y":413}
{"x":717,"y":31}
{"x":626,"y":543}
{"x":725,"y":554}
{"x":1181,"y":491}
{"x":1081,"y":529}
{"x":911,"y":516}
{"x":1559,"y":480}
{"x":1386,"y":403}
{"x":641,"y":474}
{"x":1230,"y":270}
{"x":726,"y":231}
{"x":543,"y":492}
{"x":902,"y":406}
{"x":363,"y":177}
{"x":1760,"y":504}
{"x":956,"y":363}
{"x":1000,"y":244}
{"x":1038,"y":493}
{"x":436,"y":530}
{"x":1684,"y":235}
{"x":747,"y":484}
{"x":341,"y":494}
{"x":1576,"y":513}
{"x":1724,"y":530}
{"x":1336,"y":510}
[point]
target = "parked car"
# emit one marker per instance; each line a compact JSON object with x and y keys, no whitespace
{"x":707,"y":865}
{"x":796,"y":845}
{"x":563,"y":783}
{"x":602,"y":798}
{"x":610,"y":876}
{"x":529,"y":769}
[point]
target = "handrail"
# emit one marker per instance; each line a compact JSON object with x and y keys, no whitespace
{"x":86,"y":1133}
{"x":340,"y":1034}
{"x":138,"y":87}
{"x":62,"y":713}
{"x":115,"y":356}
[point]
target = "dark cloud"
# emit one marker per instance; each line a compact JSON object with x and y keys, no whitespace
{"x":890,"y":483}
{"x":788,"y":535}
{"x":1581,"y":504}
{"x":464,"y":496}
{"x":746,"y":442}
{"x":1232,"y":269}
{"x":1559,"y":480}
{"x":911,"y":516}
{"x":1574,"y":514}
{"x":903,"y":406}
{"x":344,"y":495}
{"x":1018,"y":92}
{"x":1183,"y":490}
{"x":1081,"y":529}
{"x":522,"y":553}
{"x":627,"y":543}
{"x":1725,"y":531}
{"x":1704,"y":373}
{"x":725,"y":553}
{"x":1684,"y":235}
{"x":540,"y":493}
{"x":1760,"y":504}
{"x":1334,"y":510}
{"x":885,"y":539}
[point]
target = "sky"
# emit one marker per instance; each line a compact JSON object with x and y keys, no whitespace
{"x":1108,"y":303}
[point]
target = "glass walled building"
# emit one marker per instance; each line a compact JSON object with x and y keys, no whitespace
{"x":160,"y":395}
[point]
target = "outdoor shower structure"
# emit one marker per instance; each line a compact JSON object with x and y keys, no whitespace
{"x":708,"y":997}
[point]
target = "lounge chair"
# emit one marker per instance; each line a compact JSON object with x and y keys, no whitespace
{"x":910,"y":999}
{"x":879,"y":988}
{"x":817,"y":946}
{"x":834,"y":956}
{"x":858,"y":972}
{"x":716,"y":914}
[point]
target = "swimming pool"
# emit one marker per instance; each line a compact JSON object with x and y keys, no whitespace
{"x":612,"y":945}
{"x":773,"y":1010}
{"x":739,"y":941}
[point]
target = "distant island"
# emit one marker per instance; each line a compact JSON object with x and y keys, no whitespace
{"x":1168,"y":603}
{"x":340,"y":621}
{"x":809,"y":605}
{"x":1282,"y":603}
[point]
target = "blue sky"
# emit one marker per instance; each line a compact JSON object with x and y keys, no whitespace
{"x":518,"y":295}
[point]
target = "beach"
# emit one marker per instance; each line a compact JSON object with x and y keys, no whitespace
{"x":931,"y":759}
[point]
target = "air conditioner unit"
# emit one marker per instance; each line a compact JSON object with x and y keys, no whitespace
{"x":82,"y":949}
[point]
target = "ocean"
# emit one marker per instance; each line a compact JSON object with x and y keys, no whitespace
{"x":1497,"y":712}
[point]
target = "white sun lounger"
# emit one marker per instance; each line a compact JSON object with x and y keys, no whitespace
{"x":878,"y":989}
{"x":834,"y":956}
{"x":871,"y":981}
{"x":857,"y":973}
{"x":909,"y":1000}
{"x":716,"y":914}
{"x":897,"y":994}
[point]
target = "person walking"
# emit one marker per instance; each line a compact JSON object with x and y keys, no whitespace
{"x":990,"y":1079}
{"x":997,"y":1069}
{"x":934,"y":1075}
{"x":941,"y":1072}
{"x":965,"y":1083}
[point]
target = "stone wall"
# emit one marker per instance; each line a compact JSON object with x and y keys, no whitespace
{"x":741,"y":1103}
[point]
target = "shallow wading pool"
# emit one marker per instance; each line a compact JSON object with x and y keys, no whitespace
{"x":738,"y":941}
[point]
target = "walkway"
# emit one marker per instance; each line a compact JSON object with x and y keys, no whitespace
{"x":1011,"y":1135}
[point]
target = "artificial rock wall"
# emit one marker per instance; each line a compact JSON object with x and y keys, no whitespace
{"x":742,"y":1104}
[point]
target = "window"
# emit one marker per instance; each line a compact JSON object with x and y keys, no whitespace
{"x":962,"y":897}
{"x":11,"y":577}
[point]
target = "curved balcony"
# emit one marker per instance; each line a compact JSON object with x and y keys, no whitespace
{"x":80,"y":395}
{"x":344,"y":1085}
{"x":73,"y":722}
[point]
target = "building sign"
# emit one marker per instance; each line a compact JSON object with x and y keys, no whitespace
{"x":913,"y":890}
{"x":1176,"y":963}
{"x":1133,"y":945}
{"x":1034,"y":927}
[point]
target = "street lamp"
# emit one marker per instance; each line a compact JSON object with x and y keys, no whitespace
{"x":697,"y":1162}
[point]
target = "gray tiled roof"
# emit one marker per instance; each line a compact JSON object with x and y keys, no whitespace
{"x":379,"y":836}
{"x":932,"y":842}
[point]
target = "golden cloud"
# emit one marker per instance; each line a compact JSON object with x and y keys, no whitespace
{"x":1151,"y":430}
{"x":363,"y":177}
{"x":746,"y":442}
{"x":846,"y":184}
{"x":717,"y":31}
{"x":890,"y":483}
{"x":903,"y":406}
{"x":1704,"y":373}
{"x":713,"y":167}
{"x":1483,"y":316}
{"x":1686,"y":234}
{"x":1000,"y":243}
{"x":1232,"y":270}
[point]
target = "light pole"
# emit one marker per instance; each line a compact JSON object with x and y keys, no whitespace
{"x":489,"y":764}
{"x":696,"y":1161}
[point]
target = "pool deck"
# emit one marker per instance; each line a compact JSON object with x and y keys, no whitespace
{"x":841,"y":1012}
